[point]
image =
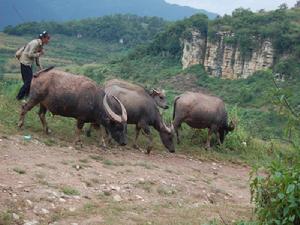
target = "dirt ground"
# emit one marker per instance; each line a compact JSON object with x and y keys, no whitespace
{"x":41,"y":184}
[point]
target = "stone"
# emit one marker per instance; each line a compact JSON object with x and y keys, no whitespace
{"x":45,"y":211}
{"x":72,"y":209}
{"x":28,"y":222}
{"x":15,"y":216}
{"x":117,"y":198}
{"x":115,"y":188}
{"x":29,"y":202}
{"x":62,"y":200}
{"x":139,"y":197}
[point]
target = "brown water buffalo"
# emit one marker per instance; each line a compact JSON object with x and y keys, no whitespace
{"x":200,"y":110}
{"x":158,"y":96}
{"x":143,"y":112}
{"x":79,"y":97}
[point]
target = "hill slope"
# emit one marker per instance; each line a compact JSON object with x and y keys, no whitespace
{"x":13,"y":12}
{"x":115,"y":186}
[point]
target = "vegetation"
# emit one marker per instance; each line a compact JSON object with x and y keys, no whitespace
{"x":277,"y":194}
{"x":127,"y":29}
{"x":266,"y":104}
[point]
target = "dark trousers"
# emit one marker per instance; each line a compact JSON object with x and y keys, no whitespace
{"x":26,"y":72}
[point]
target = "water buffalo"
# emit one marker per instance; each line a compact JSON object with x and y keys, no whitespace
{"x":158,"y":96}
{"x":200,"y":110}
{"x":79,"y":97}
{"x":143,"y":112}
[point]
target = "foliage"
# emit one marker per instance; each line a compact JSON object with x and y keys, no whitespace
{"x":250,"y":29}
{"x":243,"y":29}
{"x":281,"y":98}
{"x":168,"y":43}
{"x":127,"y":29}
{"x":277,"y":194}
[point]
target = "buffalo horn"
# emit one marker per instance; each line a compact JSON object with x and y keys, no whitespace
{"x":168,"y":129}
{"x":124,"y":112}
{"x":109,"y":111}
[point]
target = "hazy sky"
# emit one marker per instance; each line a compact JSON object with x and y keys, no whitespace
{"x":227,"y":6}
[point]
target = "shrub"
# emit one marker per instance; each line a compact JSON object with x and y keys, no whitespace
{"x":277,"y":195}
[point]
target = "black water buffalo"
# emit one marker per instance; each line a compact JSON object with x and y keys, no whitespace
{"x":79,"y":97}
{"x":201,"y":110}
{"x":143,"y":112}
{"x":158,"y":96}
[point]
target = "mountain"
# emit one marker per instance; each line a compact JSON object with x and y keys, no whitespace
{"x":14,"y":12}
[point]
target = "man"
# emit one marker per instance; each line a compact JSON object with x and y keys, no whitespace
{"x":30,"y":54}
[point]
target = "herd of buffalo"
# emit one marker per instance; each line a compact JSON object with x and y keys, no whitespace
{"x":119,"y":103}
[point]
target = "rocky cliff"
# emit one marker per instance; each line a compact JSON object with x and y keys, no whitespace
{"x":225,"y":60}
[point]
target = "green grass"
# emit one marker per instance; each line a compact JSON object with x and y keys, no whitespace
{"x":248,"y":100}
{"x":19,"y":170}
{"x":6,"y":218}
{"x":70,"y":191}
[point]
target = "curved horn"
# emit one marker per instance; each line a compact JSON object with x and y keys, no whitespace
{"x":124,"y":112}
{"x":168,"y":129}
{"x":154,"y":92}
{"x":109,"y":111}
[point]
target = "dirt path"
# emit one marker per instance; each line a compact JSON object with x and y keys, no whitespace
{"x":61,"y":185}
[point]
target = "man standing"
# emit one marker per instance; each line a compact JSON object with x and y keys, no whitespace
{"x":30,"y":54}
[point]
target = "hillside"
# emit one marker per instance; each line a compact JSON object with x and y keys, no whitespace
{"x":47,"y":179}
{"x":53,"y":184}
{"x":14,"y":12}
{"x":126,"y":29}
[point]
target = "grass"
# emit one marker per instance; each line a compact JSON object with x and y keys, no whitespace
{"x":109,"y":162}
{"x":145,"y":185}
{"x":70,"y":191}
{"x":256,"y":120}
{"x":19,"y":170}
{"x":6,"y":218}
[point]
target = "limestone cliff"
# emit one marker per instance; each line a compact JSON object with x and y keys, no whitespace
{"x":224,"y":60}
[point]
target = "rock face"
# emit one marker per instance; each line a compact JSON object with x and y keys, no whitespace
{"x":225,"y":60}
{"x":194,"y":49}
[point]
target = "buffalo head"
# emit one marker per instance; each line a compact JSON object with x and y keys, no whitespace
{"x":116,"y":124}
{"x":167,"y":137}
{"x":159,"y":98}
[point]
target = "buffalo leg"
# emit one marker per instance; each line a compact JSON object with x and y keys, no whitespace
{"x":137,"y":133}
{"x":105,"y":135}
{"x":78,"y":132}
{"x":25,"y":108}
{"x":89,"y":130}
{"x":150,"y":140}
{"x":219,"y":137}
{"x":177,"y":125}
{"x":208,"y":138}
{"x":42,"y":113}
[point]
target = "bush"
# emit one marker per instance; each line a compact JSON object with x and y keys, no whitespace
{"x":277,"y":195}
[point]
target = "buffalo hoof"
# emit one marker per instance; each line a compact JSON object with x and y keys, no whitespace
{"x":104,"y":147}
{"x":207,"y":147}
{"x":48,"y":131}
{"x":88,"y":133}
{"x":148,"y":150}
{"x":79,"y":143}
{"x":20,"y":124}
{"x":136,"y":147}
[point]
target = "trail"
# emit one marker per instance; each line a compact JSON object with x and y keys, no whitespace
{"x":42,"y":184}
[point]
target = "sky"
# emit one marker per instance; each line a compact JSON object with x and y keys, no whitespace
{"x":227,"y":6}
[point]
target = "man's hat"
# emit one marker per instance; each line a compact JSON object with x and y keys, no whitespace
{"x":44,"y":34}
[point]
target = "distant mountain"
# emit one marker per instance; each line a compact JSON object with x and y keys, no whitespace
{"x":14,"y":12}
